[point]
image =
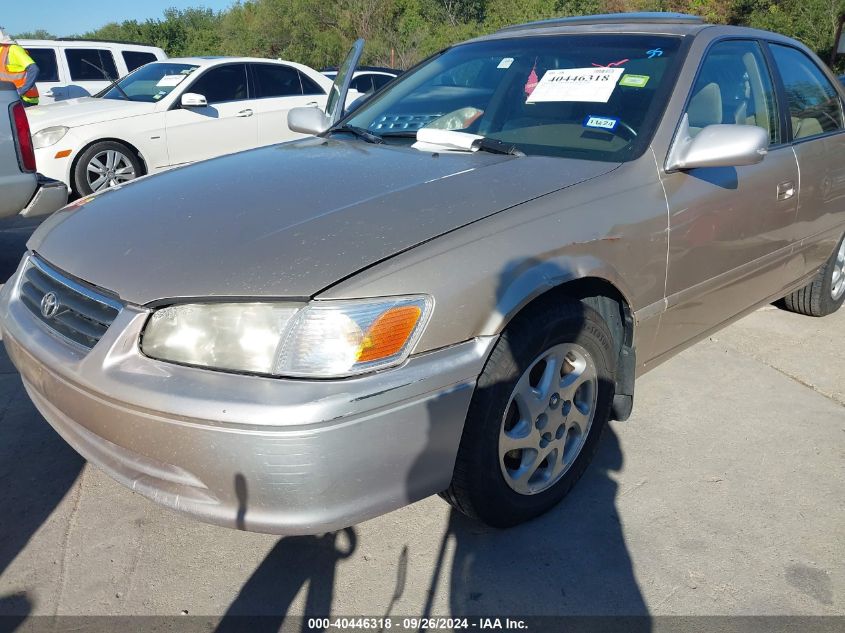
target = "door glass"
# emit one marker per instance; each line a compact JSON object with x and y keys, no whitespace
{"x":45,"y":59}
{"x":814,"y":105}
{"x":273,"y":80}
{"x":224,"y":83}
{"x":362,"y":84}
{"x":734,"y":87}
{"x":309,"y":86}
{"x":380,"y":80}
{"x":90,"y":64}
{"x":136,"y":59}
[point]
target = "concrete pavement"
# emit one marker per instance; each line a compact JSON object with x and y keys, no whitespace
{"x":724,"y":494}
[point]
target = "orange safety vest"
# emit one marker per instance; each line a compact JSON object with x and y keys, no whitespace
{"x":16,"y":78}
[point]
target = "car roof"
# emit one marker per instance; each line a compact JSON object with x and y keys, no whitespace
{"x":215,"y":60}
{"x":365,"y":69}
{"x":68,"y":42}
{"x":653,"y":23}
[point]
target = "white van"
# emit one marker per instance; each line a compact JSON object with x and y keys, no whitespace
{"x":70,"y":68}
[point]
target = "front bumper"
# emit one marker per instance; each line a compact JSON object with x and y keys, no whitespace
{"x":262,"y":454}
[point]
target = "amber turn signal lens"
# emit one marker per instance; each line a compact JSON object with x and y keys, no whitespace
{"x":389,"y":333}
{"x":64,"y":153}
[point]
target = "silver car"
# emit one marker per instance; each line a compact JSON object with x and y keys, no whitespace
{"x":450,"y":289}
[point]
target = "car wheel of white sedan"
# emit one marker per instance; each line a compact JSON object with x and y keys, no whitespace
{"x":103,"y":165}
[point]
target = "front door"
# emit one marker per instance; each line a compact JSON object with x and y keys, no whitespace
{"x":729,"y":227}
{"x":279,"y":88}
{"x":227,"y":124}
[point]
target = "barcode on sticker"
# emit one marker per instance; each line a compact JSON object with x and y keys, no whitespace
{"x":601,"y":122}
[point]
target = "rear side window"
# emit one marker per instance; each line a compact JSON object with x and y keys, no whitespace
{"x":814,"y":105}
{"x":364,"y":84}
{"x":309,"y":86}
{"x":91,"y":64}
{"x":380,"y":80}
{"x":224,"y":83}
{"x":45,"y":59}
{"x":136,"y":59}
{"x":274,"y":80}
{"x":734,"y":87}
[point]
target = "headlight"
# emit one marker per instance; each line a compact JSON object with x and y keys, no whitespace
{"x":324,"y":339}
{"x":48,"y":136}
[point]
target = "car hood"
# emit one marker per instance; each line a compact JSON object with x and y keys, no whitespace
{"x":286,"y":220}
{"x":84,"y":111}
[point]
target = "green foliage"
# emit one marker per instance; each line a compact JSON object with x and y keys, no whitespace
{"x":402,"y":32}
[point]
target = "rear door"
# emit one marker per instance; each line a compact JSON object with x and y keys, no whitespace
{"x":90,"y":70}
{"x":227,"y":124}
{"x":50,"y":85}
{"x":816,"y":127}
{"x":278,"y":88}
{"x":730,"y":228}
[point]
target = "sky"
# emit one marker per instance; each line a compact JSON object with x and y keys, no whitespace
{"x":72,"y":17}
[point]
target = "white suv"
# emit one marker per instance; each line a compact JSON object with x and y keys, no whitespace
{"x":80,"y":68}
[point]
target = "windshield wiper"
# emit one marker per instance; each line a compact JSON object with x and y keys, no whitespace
{"x":495,"y":146}
{"x":359,"y":132}
{"x":107,"y":78}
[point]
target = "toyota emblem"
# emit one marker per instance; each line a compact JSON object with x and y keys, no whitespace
{"x":50,"y":305}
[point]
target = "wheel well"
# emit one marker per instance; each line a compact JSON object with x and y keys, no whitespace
{"x":606,"y":299}
{"x":79,"y":154}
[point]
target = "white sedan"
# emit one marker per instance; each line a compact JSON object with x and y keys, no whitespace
{"x":170,"y":113}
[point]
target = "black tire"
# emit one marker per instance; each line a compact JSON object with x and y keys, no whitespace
{"x":80,"y":180}
{"x":478,"y":488}
{"x":816,"y":298}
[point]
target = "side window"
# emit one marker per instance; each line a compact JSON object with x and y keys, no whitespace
{"x":362,"y":84}
{"x":45,"y":59}
{"x":380,"y":80}
{"x":814,"y":105}
{"x":310,"y":87}
{"x":136,"y":59}
{"x":224,"y":83}
{"x":734,"y":87}
{"x":91,"y":64}
{"x":275,"y":80}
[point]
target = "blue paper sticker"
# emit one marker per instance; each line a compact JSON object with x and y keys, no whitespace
{"x":601,"y":122}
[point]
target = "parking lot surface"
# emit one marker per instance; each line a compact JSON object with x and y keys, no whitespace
{"x":724,"y":494}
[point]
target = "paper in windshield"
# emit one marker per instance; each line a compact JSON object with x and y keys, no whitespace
{"x":168,"y":81}
{"x":593,"y":85}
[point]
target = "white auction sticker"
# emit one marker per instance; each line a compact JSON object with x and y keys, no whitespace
{"x":505,"y":63}
{"x":576,"y":84}
{"x":170,"y":80}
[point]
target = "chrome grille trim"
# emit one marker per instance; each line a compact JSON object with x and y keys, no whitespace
{"x":84,"y":314}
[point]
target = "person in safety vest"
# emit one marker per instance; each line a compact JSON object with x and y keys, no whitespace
{"x":17,"y":67}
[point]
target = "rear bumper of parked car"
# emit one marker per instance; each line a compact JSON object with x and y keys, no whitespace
{"x":271,"y":455}
{"x":50,"y":196}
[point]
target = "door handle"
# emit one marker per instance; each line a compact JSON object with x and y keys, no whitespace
{"x":244,"y":113}
{"x":49,"y":93}
{"x":312,"y":103}
{"x":786,"y":190}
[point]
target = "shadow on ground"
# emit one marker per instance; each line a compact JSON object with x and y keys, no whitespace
{"x":37,"y":469}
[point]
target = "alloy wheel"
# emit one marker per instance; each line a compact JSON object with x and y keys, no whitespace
{"x":837,"y":280}
{"x":548,"y":418}
{"x":109,"y":168}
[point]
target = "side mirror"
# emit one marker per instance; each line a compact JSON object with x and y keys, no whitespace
{"x":717,"y":146}
{"x":193,"y":100}
{"x":308,"y":120}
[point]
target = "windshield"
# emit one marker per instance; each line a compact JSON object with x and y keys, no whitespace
{"x":596,"y":97}
{"x":150,"y":83}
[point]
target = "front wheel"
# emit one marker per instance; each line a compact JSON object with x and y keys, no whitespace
{"x":536,"y":416}
{"x":103,"y":165}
